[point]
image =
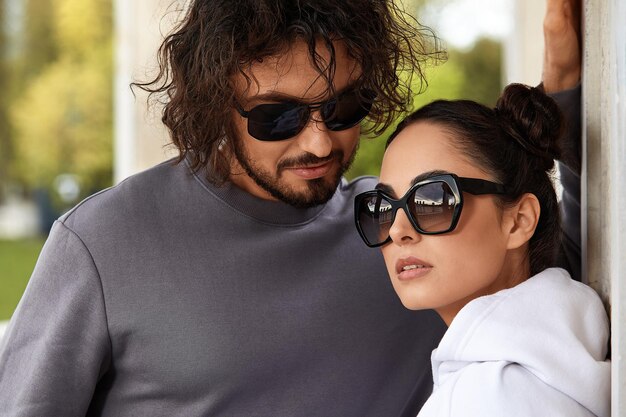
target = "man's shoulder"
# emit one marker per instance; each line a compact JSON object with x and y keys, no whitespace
{"x":138,"y":195}
{"x":359,"y":184}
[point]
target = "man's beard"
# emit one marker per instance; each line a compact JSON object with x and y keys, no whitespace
{"x":319,"y":190}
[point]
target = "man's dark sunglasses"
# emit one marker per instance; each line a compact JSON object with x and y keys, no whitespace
{"x":280,"y":121}
{"x":432,"y":205}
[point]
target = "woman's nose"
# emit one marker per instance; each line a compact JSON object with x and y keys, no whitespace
{"x":402,"y":231}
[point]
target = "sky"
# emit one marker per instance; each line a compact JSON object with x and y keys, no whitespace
{"x":460,"y":22}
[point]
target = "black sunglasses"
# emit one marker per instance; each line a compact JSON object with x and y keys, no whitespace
{"x":280,"y":121}
{"x":432,"y":205}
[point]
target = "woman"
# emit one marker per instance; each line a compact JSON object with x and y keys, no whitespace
{"x":467,"y":219}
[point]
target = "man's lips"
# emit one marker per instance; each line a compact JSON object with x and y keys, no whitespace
{"x":411,"y":268}
{"x":310,"y":172}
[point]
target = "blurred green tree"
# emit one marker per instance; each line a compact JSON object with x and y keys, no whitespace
{"x":473,"y":74}
{"x":36,"y":44}
{"x":63,"y":118}
{"x":6,"y":146}
{"x":482,"y":65}
{"x":445,"y":81}
{"x":26,"y":49}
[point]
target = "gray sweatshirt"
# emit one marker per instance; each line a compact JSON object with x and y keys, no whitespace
{"x":166,"y":296}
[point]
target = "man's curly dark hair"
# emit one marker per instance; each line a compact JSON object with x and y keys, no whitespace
{"x":218,"y":39}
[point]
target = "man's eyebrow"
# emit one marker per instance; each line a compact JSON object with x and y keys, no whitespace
{"x":279,"y":96}
{"x":273,"y":96}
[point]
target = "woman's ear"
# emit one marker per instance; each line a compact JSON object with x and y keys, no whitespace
{"x":522,"y":219}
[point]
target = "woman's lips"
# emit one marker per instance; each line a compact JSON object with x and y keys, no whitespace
{"x":411,"y":268}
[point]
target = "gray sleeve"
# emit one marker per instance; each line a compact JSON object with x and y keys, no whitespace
{"x":57,"y":344}
{"x":569,"y":256}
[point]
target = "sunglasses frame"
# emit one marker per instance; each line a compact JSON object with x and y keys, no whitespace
{"x":458,"y":185}
{"x":365,"y":96}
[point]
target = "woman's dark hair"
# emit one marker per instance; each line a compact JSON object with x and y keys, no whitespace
{"x":517,"y":142}
{"x":219,"y":39}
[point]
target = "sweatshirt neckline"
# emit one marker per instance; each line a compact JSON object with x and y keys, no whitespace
{"x":265,"y":211}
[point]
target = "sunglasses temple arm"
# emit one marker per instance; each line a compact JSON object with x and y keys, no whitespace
{"x":240,"y":110}
{"x":479,"y":187}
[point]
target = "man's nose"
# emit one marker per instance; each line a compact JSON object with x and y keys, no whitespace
{"x":315,"y":137}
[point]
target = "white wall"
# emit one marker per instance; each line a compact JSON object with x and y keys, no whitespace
{"x":604,"y":119}
{"x":523,"y":53}
{"x":604,"y":152}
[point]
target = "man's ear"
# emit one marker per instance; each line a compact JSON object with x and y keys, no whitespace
{"x":522,"y":219}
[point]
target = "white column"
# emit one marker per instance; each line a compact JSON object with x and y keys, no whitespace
{"x":604,"y":125}
{"x":124,"y":111}
{"x":140,"y":138}
{"x":523,"y":52}
{"x":604,"y":152}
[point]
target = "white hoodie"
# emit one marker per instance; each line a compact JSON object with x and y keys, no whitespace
{"x":537,"y":349}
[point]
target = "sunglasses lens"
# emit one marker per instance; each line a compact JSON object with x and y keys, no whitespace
{"x":374,"y":216}
{"x":280,"y":121}
{"x":432,"y":207}
{"x":277,"y":121}
{"x":348,"y":109}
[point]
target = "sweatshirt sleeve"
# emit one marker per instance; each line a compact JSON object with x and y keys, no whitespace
{"x":569,"y":254}
{"x":57,"y":345}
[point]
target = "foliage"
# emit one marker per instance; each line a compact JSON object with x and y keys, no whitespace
{"x":444,"y":81}
{"x":17,"y":260}
{"x":6,"y":146}
{"x":64,"y":124}
{"x":482,"y":66}
{"x":63,"y":119}
{"x":474,"y":75}
{"x":24,"y":54}
{"x":37,"y":46}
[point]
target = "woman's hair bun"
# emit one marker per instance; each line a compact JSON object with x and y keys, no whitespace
{"x":532,"y":119}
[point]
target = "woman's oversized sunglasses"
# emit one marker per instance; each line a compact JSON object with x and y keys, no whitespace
{"x":280,"y":121}
{"x":433,"y":206}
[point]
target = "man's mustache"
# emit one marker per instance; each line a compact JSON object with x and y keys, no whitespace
{"x":308,"y":159}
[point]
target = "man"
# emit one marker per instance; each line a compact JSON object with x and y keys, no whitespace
{"x":233,"y":283}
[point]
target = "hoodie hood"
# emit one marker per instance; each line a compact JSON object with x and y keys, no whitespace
{"x":554,"y":327}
